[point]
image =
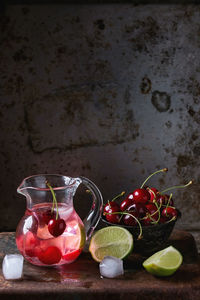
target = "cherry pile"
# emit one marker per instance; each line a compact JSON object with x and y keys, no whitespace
{"x":145,"y":206}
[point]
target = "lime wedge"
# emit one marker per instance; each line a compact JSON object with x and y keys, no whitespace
{"x":113,"y":241}
{"x":164,"y":262}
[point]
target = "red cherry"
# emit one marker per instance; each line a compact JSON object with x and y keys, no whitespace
{"x":169,"y":212}
{"x":161,"y":199}
{"x":141,"y":196}
{"x":130,"y":196}
{"x":153,"y":211}
{"x":109,"y":205}
{"x":164,"y":200}
{"x":113,"y":218}
{"x":139,"y":208}
{"x":151,"y":208}
{"x":70,"y":257}
{"x":31,"y":243}
{"x":56,"y":227}
{"x":153,"y":193}
{"x":126,"y":203}
{"x":50,"y":256}
{"x":129,"y":220}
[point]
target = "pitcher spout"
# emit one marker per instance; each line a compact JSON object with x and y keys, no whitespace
{"x":35,"y":188}
{"x":22,"y":188}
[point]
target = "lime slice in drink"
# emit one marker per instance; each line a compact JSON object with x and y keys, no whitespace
{"x":74,"y":238}
{"x":82,"y":236}
{"x":164,"y":262}
{"x":113,"y":241}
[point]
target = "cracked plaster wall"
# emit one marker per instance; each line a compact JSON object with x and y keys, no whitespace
{"x":110,"y":92}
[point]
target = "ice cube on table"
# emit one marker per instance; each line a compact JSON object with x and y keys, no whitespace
{"x":12,"y":266}
{"x":111,"y":267}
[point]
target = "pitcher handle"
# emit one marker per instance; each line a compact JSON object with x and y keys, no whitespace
{"x":94,"y":215}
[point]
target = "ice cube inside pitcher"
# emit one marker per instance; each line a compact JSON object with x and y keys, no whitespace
{"x":12,"y":266}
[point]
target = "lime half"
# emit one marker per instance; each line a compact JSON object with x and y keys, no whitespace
{"x":113,"y":241}
{"x":164,"y":262}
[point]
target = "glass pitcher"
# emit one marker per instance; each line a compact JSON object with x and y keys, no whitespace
{"x":51,"y":233}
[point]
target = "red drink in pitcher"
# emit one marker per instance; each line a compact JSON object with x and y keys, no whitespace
{"x":51,"y":233}
{"x":36,"y":243}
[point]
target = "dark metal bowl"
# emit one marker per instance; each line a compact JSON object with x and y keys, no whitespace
{"x":154,"y":237}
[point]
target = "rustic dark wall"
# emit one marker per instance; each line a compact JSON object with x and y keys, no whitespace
{"x":110,"y":91}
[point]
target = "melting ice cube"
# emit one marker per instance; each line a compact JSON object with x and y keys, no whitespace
{"x":12,"y":266}
{"x":111,"y":267}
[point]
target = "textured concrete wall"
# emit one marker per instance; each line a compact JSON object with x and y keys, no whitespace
{"x":111,"y":92}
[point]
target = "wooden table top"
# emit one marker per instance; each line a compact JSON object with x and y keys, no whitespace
{"x":81,"y":279}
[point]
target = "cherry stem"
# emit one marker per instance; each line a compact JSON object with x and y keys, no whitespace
{"x":158,"y":208}
{"x":154,"y":195}
{"x":54,"y":199}
{"x":118,"y":196}
{"x":172,"y":219}
{"x":157,"y":211}
{"x":159,"y":171}
{"x":176,"y":187}
{"x":169,"y":206}
{"x":109,"y":203}
{"x":170,"y":197}
{"x":125,"y":213}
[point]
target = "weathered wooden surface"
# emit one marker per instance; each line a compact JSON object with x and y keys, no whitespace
{"x":81,"y":280}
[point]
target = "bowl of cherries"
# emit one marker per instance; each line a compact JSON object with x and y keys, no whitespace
{"x":149,"y":214}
